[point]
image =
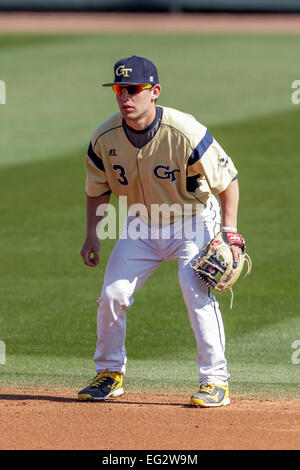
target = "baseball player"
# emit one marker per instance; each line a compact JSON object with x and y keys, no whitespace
{"x":156,"y":156}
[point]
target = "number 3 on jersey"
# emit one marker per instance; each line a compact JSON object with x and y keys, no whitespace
{"x":122,"y":176}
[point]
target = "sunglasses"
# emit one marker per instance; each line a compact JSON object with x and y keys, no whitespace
{"x":130,"y":89}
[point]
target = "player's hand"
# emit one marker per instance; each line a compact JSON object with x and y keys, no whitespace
{"x":90,"y":252}
{"x":236,"y":251}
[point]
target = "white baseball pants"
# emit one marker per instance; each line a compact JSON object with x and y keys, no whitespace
{"x":131,"y":262}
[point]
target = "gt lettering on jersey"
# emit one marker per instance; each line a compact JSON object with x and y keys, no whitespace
{"x":164,"y":172}
{"x":183,"y":164}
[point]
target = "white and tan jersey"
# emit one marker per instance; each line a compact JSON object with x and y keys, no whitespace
{"x":182,"y":164}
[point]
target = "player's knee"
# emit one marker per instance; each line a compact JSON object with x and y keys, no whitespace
{"x":117,"y":294}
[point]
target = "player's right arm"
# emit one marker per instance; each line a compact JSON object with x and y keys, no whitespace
{"x":97,"y":193}
{"x":91,"y":247}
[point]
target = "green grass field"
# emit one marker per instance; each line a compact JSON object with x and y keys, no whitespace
{"x":237,"y":85}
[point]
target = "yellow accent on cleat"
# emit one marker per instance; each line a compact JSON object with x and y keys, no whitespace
{"x":106,"y":384}
{"x":211,"y":395}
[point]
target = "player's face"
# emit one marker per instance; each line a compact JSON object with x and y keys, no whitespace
{"x":138,"y":109}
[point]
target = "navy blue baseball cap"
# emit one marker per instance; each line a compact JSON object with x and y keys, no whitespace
{"x":134,"y":70}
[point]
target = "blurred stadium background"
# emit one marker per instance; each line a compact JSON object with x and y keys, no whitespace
{"x":155,"y":5}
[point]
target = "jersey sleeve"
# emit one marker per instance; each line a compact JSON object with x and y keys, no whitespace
{"x":211,"y":161}
{"x":96,"y":183}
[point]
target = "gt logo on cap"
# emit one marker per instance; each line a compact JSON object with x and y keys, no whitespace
{"x":121,"y":70}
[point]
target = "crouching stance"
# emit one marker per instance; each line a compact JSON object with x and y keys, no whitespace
{"x":157,"y":155}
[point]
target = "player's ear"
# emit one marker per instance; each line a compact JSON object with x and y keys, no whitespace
{"x":155,"y":92}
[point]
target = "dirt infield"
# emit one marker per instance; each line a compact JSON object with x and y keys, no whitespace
{"x":168,"y":22}
{"x":56,"y":420}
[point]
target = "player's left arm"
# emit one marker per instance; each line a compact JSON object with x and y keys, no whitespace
{"x":229,"y":201}
{"x":221,"y":175}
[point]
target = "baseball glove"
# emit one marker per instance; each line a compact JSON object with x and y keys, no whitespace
{"x":216,"y":266}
